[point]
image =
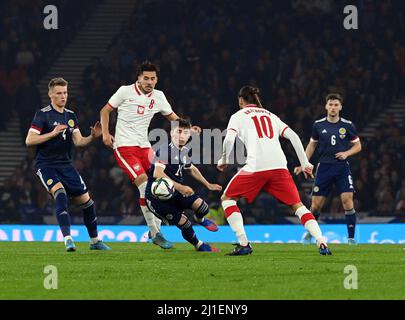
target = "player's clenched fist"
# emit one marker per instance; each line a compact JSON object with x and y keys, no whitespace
{"x":59,"y":129}
{"x":108,"y":140}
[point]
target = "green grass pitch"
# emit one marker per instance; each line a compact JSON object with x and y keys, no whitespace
{"x":144,"y":271}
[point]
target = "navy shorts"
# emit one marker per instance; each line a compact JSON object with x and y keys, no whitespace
{"x":68,"y":176}
{"x":169,"y":211}
{"x":329,"y":174}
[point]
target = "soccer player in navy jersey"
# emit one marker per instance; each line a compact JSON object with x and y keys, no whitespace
{"x":170,"y":162}
{"x":336,"y":139}
{"x":53,"y":130}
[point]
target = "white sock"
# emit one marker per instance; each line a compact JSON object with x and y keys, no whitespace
{"x":158,"y":222}
{"x":310,"y":225}
{"x":94,"y":240}
{"x":148,"y":215}
{"x":235,"y":220}
{"x":68,"y":238}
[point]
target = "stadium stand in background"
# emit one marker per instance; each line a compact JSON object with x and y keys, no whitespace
{"x":208,"y":50}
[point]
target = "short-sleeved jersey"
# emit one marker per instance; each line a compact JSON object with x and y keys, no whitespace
{"x":57,"y":151}
{"x":333,"y":138}
{"x":135,"y":112}
{"x":173,"y":160}
{"x":259,"y":130}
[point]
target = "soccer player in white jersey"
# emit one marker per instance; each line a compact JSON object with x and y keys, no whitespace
{"x":265,"y":169}
{"x":136,"y":105}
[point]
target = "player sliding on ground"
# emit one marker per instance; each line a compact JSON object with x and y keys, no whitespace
{"x":52,"y":131}
{"x":136,"y":105}
{"x":265,"y":169}
{"x":337,"y":140}
{"x":170,"y":161}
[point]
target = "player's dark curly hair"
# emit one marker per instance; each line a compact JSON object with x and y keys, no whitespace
{"x":148,"y":66}
{"x":181,"y":123}
{"x":250,"y":95}
{"x":334,"y":96}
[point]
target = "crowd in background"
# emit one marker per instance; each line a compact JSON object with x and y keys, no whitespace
{"x":207,"y":50}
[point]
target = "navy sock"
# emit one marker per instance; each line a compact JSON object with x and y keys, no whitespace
{"x":188,"y":233}
{"x":90,"y":218}
{"x":350,"y":216}
{"x":61,"y":204}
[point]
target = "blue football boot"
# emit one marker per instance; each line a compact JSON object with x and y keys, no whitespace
{"x":99,"y":245}
{"x":160,"y":241}
{"x":241,"y":250}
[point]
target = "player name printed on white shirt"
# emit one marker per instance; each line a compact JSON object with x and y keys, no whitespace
{"x":135,"y":112}
{"x":259,"y":130}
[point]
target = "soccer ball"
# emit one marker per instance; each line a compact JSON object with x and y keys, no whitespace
{"x":163,"y":188}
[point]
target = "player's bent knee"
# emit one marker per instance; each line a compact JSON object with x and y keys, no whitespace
{"x":184,"y":223}
{"x":58,"y":192}
{"x":82,"y":199}
{"x":85,"y":205}
{"x":295,"y":206}
{"x":203,"y":209}
{"x":224,"y":197}
{"x":140,"y":179}
{"x":55,"y":188}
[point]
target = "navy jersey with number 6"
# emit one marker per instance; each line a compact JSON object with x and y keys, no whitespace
{"x":56,"y":151}
{"x":333,"y":138}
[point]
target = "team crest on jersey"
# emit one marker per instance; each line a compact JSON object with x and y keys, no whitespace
{"x":137,"y":167}
{"x":141,"y":109}
{"x":342,"y":132}
{"x":71,"y":123}
{"x":49,"y":182}
{"x":316,"y":189}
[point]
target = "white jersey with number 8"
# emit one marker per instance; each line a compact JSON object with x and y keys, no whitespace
{"x":259,"y":130}
{"x":135,"y":112}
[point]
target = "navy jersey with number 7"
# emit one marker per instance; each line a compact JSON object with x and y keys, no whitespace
{"x":56,"y":151}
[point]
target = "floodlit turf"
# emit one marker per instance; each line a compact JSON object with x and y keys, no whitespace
{"x":144,"y":271}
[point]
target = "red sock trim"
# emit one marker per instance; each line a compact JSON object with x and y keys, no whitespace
{"x":142,"y":202}
{"x":230,"y":210}
{"x":306,"y":217}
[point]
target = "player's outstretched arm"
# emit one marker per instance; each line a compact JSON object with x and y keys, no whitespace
{"x":226,"y":149}
{"x":306,"y":166}
{"x":108,"y":139}
{"x":159,"y":172}
{"x":309,"y":151}
{"x":197,"y":175}
{"x":34,"y":138}
{"x":80,"y":141}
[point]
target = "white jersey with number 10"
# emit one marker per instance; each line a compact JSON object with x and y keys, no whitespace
{"x":259,"y":130}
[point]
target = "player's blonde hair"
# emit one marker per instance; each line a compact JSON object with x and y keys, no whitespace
{"x":57,"y":82}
